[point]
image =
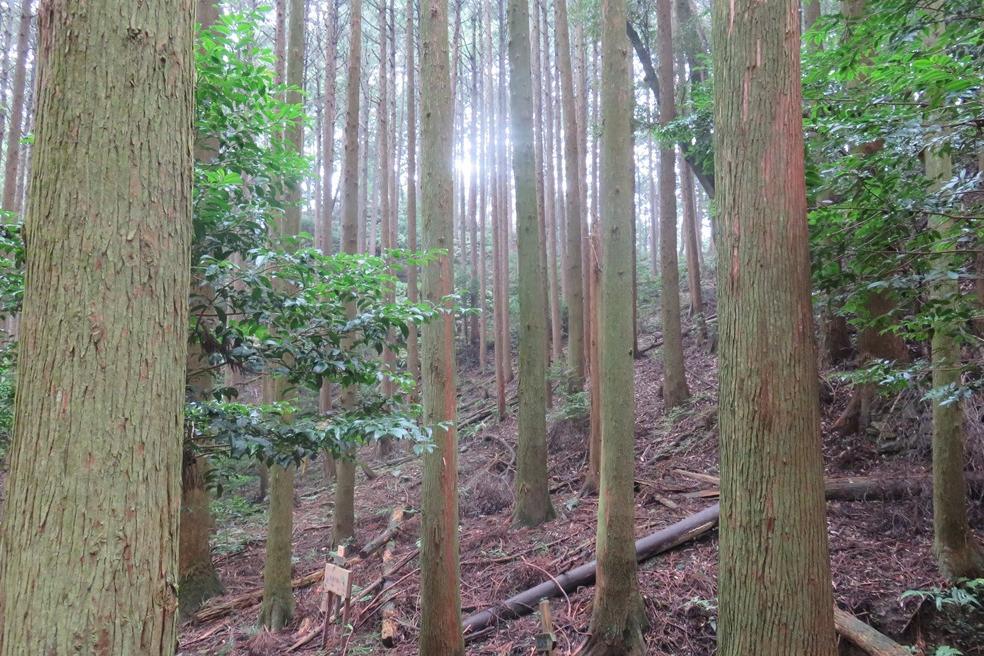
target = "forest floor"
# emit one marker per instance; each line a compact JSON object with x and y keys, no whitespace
{"x":879,"y":549}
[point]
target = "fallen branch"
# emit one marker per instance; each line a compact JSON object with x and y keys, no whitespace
{"x":251,"y":598}
{"x":583,"y":576}
{"x":865,"y":637}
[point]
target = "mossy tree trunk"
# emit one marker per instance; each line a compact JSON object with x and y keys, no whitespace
{"x":532,"y":492}
{"x":440,"y":596}
{"x":618,"y":619}
{"x":675,"y":390}
{"x":278,"y":597}
{"x":88,"y":553}
{"x":775,"y":596}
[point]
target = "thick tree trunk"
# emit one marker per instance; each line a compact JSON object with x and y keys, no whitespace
{"x":11,"y":199}
{"x":278,"y":596}
{"x":618,"y":619}
{"x":957,"y":551}
{"x":440,"y":596}
{"x":772,"y":489}
{"x":532,"y":494}
{"x":675,"y":390}
{"x":90,"y":531}
{"x":572,"y":257}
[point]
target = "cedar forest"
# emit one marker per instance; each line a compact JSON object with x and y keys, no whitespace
{"x":444,"y":327}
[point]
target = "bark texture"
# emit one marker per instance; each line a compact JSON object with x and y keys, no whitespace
{"x":440,"y":596}
{"x":88,"y":554}
{"x":618,"y":619}
{"x":775,"y":595}
{"x":532,"y":494}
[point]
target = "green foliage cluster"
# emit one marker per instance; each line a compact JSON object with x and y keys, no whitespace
{"x":881,"y":92}
{"x":265,"y":305}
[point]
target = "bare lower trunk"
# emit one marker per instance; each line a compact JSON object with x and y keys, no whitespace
{"x":89,"y":545}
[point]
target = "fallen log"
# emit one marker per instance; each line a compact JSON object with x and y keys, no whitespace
{"x":865,"y":637}
{"x":390,"y":626}
{"x":583,"y":576}
{"x":380,"y":540}
{"x":872,"y":488}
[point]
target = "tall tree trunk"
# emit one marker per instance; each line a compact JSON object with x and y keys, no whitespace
{"x":473,"y":208}
{"x":90,"y":531}
{"x":278,"y":597}
{"x":592,"y":478}
{"x":772,"y":489}
{"x":653,"y":210}
{"x":958,"y":553}
{"x":198,"y":579}
{"x":413,"y":350}
{"x":693,"y":247}
{"x":384,"y":192}
{"x":440,"y":596}
{"x":343,"y":525}
{"x":572,"y":157}
{"x":498,"y":293}
{"x":675,"y":390}
{"x":550,"y":185}
{"x":618,"y":619}
{"x":326,"y":243}
{"x":325,"y":239}
{"x":505,"y":202}
{"x":532,"y":496}
{"x":11,"y":167}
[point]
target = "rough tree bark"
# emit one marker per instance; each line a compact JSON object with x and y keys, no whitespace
{"x":440,"y":595}
{"x":774,"y":582}
{"x":675,"y":390}
{"x":618,"y":619}
{"x":90,"y":534}
{"x":532,"y":493}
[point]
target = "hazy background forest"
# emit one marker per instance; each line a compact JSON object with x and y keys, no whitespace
{"x":550,"y":326}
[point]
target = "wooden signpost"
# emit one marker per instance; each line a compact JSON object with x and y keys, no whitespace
{"x":337,"y":590}
{"x":545,"y":640}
